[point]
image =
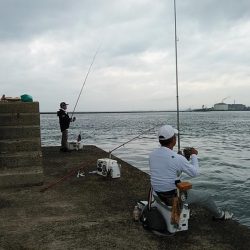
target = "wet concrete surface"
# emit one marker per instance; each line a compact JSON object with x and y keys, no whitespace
{"x":94,"y":212}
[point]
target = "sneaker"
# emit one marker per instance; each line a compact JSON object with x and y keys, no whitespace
{"x":225,"y":216}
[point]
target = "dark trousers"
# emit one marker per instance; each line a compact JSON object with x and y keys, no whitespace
{"x":167,"y":197}
{"x":64,"y":141}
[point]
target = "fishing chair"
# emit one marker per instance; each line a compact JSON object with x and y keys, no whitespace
{"x":177,"y":215}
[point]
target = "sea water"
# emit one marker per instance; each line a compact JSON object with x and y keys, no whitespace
{"x":221,"y":138}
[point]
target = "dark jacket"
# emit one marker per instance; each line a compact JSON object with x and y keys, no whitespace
{"x":64,"y":119}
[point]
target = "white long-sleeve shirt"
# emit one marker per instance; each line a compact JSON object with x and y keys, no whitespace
{"x":166,"y":167}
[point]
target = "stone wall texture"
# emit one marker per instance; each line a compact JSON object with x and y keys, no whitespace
{"x":20,"y":144}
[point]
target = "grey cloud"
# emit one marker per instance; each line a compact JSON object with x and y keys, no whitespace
{"x":23,"y":19}
{"x":212,"y":14}
{"x":48,"y":45}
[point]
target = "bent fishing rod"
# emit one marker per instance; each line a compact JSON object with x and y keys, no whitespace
{"x":86,"y":77}
{"x":142,"y":133}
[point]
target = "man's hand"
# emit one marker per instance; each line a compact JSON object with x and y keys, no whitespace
{"x":187,"y":152}
{"x":74,"y":119}
{"x":194,"y":151}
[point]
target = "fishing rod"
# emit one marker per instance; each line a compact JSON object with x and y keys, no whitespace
{"x":85,"y":79}
{"x":69,"y":174}
{"x":176,"y":77}
{"x":131,"y":140}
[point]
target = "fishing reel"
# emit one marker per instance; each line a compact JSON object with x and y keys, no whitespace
{"x":108,"y":168}
{"x":187,"y":152}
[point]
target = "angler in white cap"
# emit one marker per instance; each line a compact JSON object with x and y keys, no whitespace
{"x":64,"y":121}
{"x":166,"y":167}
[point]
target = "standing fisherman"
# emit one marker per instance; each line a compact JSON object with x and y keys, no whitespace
{"x":64,"y":118}
{"x":64,"y":121}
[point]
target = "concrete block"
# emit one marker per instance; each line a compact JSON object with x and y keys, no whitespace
{"x":25,"y":177}
{"x":15,"y":145}
{"x":17,"y":160}
{"x":19,"y":107}
{"x":20,"y":144}
{"x":19,"y":132}
{"x":14,"y":119}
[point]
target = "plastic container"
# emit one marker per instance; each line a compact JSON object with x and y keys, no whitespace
{"x":136,"y":213}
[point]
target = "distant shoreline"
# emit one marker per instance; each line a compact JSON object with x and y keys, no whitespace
{"x":107,"y":112}
{"x":159,"y":111}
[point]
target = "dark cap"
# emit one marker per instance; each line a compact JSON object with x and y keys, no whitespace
{"x":62,"y":104}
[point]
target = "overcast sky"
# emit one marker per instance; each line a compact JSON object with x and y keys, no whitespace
{"x":46,"y":48}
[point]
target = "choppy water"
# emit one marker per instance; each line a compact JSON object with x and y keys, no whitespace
{"x":222,"y":139}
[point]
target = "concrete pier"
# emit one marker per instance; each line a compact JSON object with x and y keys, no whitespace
{"x":20,"y":144}
{"x":93,"y":212}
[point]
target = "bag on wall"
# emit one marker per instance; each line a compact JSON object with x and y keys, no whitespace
{"x":26,"y":98}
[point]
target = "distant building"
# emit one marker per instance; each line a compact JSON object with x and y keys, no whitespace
{"x":221,"y":106}
{"x":237,"y":107}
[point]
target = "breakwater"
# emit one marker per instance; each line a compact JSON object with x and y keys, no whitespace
{"x":93,"y":212}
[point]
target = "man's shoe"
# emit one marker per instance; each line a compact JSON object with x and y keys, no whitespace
{"x":225,"y":216}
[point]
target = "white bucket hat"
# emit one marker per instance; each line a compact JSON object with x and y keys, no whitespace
{"x":165,"y":132}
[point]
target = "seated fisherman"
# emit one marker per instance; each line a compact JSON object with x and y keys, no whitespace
{"x":166,"y":167}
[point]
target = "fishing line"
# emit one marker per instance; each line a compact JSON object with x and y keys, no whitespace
{"x":86,"y":77}
{"x":142,"y":133}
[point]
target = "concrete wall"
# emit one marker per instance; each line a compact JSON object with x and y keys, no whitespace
{"x":20,"y":144}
